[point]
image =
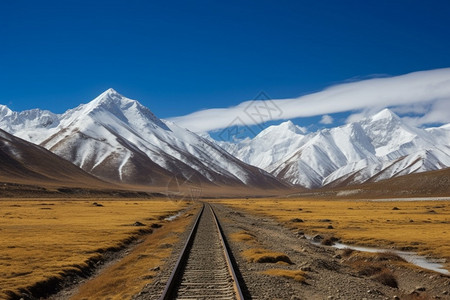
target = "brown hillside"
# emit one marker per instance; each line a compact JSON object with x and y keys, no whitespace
{"x":24,"y":163}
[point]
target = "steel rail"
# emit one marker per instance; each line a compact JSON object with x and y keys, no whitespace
{"x":177,"y":273}
{"x":236,"y":286}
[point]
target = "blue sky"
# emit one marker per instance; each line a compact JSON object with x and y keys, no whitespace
{"x":178,"y":57}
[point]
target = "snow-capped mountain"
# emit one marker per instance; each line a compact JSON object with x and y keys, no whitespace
{"x":119,"y":139}
{"x":25,"y":162}
{"x":269,"y":146}
{"x":379,"y":147}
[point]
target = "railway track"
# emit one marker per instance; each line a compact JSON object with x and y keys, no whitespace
{"x":204,"y":269}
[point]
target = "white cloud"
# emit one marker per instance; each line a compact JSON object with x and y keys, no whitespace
{"x":428,"y":90}
{"x":438,"y":113}
{"x":366,"y":112}
{"x":326,"y":119}
{"x":418,"y":108}
{"x":356,"y":117}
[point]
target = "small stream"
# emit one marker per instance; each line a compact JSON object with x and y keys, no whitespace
{"x":173,"y":217}
{"x":411,"y":199}
{"x":436,"y":265}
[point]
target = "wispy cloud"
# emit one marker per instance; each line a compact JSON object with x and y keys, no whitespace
{"x":438,"y":113}
{"x":326,"y":119}
{"x":426,"y":92}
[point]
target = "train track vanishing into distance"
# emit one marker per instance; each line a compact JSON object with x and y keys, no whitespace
{"x":204,"y":269}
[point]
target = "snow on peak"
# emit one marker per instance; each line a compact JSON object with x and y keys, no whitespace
{"x":5,"y":111}
{"x":288,"y":125}
{"x":111,"y":104}
{"x":285,"y":128}
{"x":110,"y":97}
{"x":385,"y":114}
{"x":111,"y":91}
{"x":269,"y":146}
{"x":389,"y":133}
{"x":27,"y":124}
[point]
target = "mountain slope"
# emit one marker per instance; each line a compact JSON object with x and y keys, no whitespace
{"x":119,"y":139}
{"x":25,"y":162}
{"x":379,"y":147}
{"x":424,"y":184}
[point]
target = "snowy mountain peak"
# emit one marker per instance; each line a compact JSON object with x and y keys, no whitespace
{"x":111,"y":91}
{"x":283,"y":128}
{"x":27,"y":123}
{"x":288,"y":125}
{"x":385,"y":114}
{"x":111,"y":97}
{"x":389,"y":133}
{"x":5,"y":111}
{"x":112,"y":94}
{"x":112,"y":104}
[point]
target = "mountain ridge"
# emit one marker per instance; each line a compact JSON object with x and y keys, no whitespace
{"x":118,"y":139}
{"x":25,"y":162}
{"x":378,"y":147}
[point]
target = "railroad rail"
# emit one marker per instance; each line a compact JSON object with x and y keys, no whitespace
{"x":204,"y":269}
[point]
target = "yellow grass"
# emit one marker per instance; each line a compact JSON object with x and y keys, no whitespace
{"x":422,"y":225}
{"x":41,"y":238}
{"x":261,"y":255}
{"x":373,"y":257}
{"x":128,"y":276}
{"x":297,"y":275}
{"x":242,"y":236}
{"x":375,"y":265}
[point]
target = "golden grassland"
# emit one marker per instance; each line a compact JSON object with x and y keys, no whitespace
{"x":255,"y":251}
{"x":297,"y":275}
{"x":257,"y":254}
{"x":136,"y":269}
{"x":42,"y":238}
{"x":261,"y":255}
{"x":374,"y":265}
{"x":421,"y":226}
{"x":242,"y":236}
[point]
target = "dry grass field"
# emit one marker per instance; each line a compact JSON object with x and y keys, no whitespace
{"x":297,"y":275}
{"x":136,"y":269}
{"x":45,"y":238}
{"x":255,"y":253}
{"x":420,"y":226}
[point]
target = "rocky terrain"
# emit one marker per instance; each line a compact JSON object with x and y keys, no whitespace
{"x":329,"y":273}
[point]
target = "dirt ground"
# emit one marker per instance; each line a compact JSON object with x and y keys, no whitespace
{"x":321,"y":272}
{"x":329,"y":273}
